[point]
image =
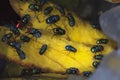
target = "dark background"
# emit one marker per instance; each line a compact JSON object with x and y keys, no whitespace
{"x":7,"y":14}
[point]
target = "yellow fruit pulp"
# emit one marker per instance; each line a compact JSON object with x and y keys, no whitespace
{"x":56,"y":58}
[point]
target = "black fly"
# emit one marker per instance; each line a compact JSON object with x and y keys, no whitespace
{"x":48,"y":10}
{"x":43,"y":49}
{"x":60,"y":9}
{"x":70,"y":48}
{"x":71,"y":19}
{"x":72,"y":70}
{"x":58,"y":31}
{"x":24,"y":38}
{"x":20,"y":53}
{"x":6,"y":37}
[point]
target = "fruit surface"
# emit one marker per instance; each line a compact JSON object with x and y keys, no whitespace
{"x":56,"y":58}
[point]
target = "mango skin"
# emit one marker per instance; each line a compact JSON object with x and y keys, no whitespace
{"x":56,"y":59}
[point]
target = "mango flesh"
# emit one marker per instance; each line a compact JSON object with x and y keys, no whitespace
{"x":56,"y":59}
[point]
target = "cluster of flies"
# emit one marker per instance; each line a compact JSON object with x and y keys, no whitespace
{"x":10,"y":38}
{"x":52,"y":19}
{"x":96,"y":49}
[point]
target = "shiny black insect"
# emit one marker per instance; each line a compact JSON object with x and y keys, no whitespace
{"x":59,"y":31}
{"x":24,"y":20}
{"x":95,"y":64}
{"x":41,"y":2}
{"x":26,"y":72}
{"x":15,"y":44}
{"x":20,"y":53}
{"x":70,"y":48}
{"x":34,"y":32}
{"x":48,"y":10}
{"x":71,"y":19}
{"x":14,"y":30}
{"x":72,"y":70}
{"x":97,"y":48}
{"x":52,"y":19}
{"x":36,"y":70}
{"x":34,"y":7}
{"x":30,"y":71}
{"x":24,"y":38}
{"x":60,"y":9}
{"x":96,"y":26}
{"x":6,"y":37}
{"x":98,"y":57}
{"x":43,"y":49}
{"x":102,"y":41}
{"x":87,"y":73}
